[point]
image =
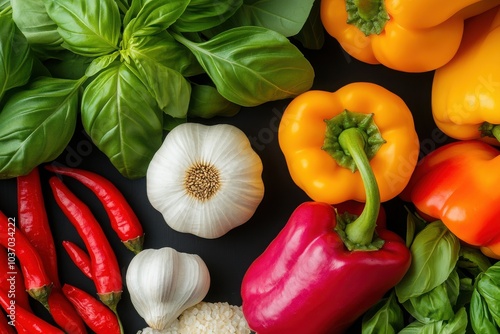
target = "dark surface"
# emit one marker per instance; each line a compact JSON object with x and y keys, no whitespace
{"x":228,"y":257}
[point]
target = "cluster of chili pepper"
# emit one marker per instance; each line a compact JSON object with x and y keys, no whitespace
{"x":334,"y":258}
{"x":30,"y":240}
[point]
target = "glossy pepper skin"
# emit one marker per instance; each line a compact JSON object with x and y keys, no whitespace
{"x":466,"y":91}
{"x":405,"y":35}
{"x":307,"y":282}
{"x":458,"y":184}
{"x":302,"y":132}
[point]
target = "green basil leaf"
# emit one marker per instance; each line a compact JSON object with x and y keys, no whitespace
{"x":286,"y":19}
{"x":37,"y":123}
{"x":384,"y":317}
{"x":456,"y":325}
{"x":435,"y":253}
{"x":123,"y":119}
{"x":68,"y":65}
{"x":253,"y":65}
{"x":205,"y":14}
{"x":480,"y":316}
{"x":4,"y":5}
{"x":312,"y":34}
{"x":89,"y":28}
{"x":171,"y":90}
{"x":41,"y":32}
{"x":16,"y":60}
{"x":206,"y":102}
{"x":169,"y":122}
{"x":163,"y":49}
{"x":100,"y":63}
{"x":473,"y":261}
{"x":414,"y":224}
{"x":148,"y":17}
{"x":436,"y":304}
{"x":488,"y":285}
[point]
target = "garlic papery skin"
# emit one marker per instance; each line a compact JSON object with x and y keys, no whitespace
{"x":205,"y":179}
{"x":162,"y":283}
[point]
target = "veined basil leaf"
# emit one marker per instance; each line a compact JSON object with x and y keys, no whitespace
{"x":171,"y":90}
{"x":37,"y":123}
{"x":41,"y":32}
{"x":16,"y":60}
{"x":253,"y":65}
{"x":206,"y":102}
{"x":100,"y":63}
{"x":488,"y":286}
{"x":286,"y":19}
{"x":205,"y":14}
{"x":123,"y":119}
{"x":4,"y":4}
{"x":148,"y":17}
{"x":473,"y":261}
{"x":163,"y":49}
{"x":435,"y":253}
{"x":89,"y":28}
{"x":312,"y":34}
{"x":456,"y":325}
{"x":480,"y":316}
{"x":384,"y":317}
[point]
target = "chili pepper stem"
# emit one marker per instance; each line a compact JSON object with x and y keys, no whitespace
{"x":361,"y":231}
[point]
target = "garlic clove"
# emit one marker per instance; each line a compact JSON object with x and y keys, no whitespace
{"x":205,"y":180}
{"x":163,"y":282}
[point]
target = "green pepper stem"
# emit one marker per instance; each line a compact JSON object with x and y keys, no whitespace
{"x":496,"y":132}
{"x":361,"y":230}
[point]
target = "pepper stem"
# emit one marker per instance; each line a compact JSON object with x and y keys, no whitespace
{"x":361,"y":231}
{"x":490,"y":130}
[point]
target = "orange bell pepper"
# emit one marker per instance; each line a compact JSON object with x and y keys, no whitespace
{"x":410,"y":36}
{"x":316,"y":159}
{"x":458,"y":184}
{"x":466,"y":91}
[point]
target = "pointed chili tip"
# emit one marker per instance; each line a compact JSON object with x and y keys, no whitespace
{"x":135,"y":245}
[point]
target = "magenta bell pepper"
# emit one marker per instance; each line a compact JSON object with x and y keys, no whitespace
{"x":308,"y":281}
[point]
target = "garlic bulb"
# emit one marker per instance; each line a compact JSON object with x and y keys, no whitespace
{"x":205,"y":180}
{"x":164,"y":282}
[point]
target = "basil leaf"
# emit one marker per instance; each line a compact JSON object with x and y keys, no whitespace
{"x":41,"y":32}
{"x":163,"y":49}
{"x":480,"y":316}
{"x":414,"y":225}
{"x":205,"y":14}
{"x":456,"y":325}
{"x":206,"y":102}
{"x":89,"y":28}
{"x":16,"y":60}
{"x":473,"y":261}
{"x":253,"y":65}
{"x":4,"y":5}
{"x":384,"y":317}
{"x":123,"y":119}
{"x":312,"y":34}
{"x":148,"y":17}
{"x":286,"y":19}
{"x":436,"y":304}
{"x":171,"y":90}
{"x":37,"y":123}
{"x":100,"y":63}
{"x":69,"y":65}
{"x":435,"y":253}
{"x":488,"y":286}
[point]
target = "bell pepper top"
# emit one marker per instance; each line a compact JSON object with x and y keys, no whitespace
{"x":368,"y":16}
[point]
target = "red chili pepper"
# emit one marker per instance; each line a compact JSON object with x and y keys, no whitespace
{"x":11,"y":278}
{"x":37,"y":282}
{"x":29,"y":321}
{"x":104,"y":264}
{"x":96,"y":315}
{"x":123,"y":219}
{"x":34,"y":222}
{"x":79,"y":257}
{"x":307,"y":281}
{"x":5,"y":328}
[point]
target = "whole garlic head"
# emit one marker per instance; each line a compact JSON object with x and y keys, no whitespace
{"x":205,"y":180}
{"x":164,"y":282}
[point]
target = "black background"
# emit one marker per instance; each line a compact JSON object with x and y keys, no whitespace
{"x":228,"y":257}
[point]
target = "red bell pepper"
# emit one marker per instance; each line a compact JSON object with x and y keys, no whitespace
{"x":458,"y":184}
{"x":307,"y":281}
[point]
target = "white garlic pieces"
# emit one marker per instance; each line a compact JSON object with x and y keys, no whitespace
{"x":205,"y":180}
{"x":164,"y":282}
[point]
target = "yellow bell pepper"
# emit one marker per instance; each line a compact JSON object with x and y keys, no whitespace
{"x":409,"y":36}
{"x":466,"y":91}
{"x":310,"y":136}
